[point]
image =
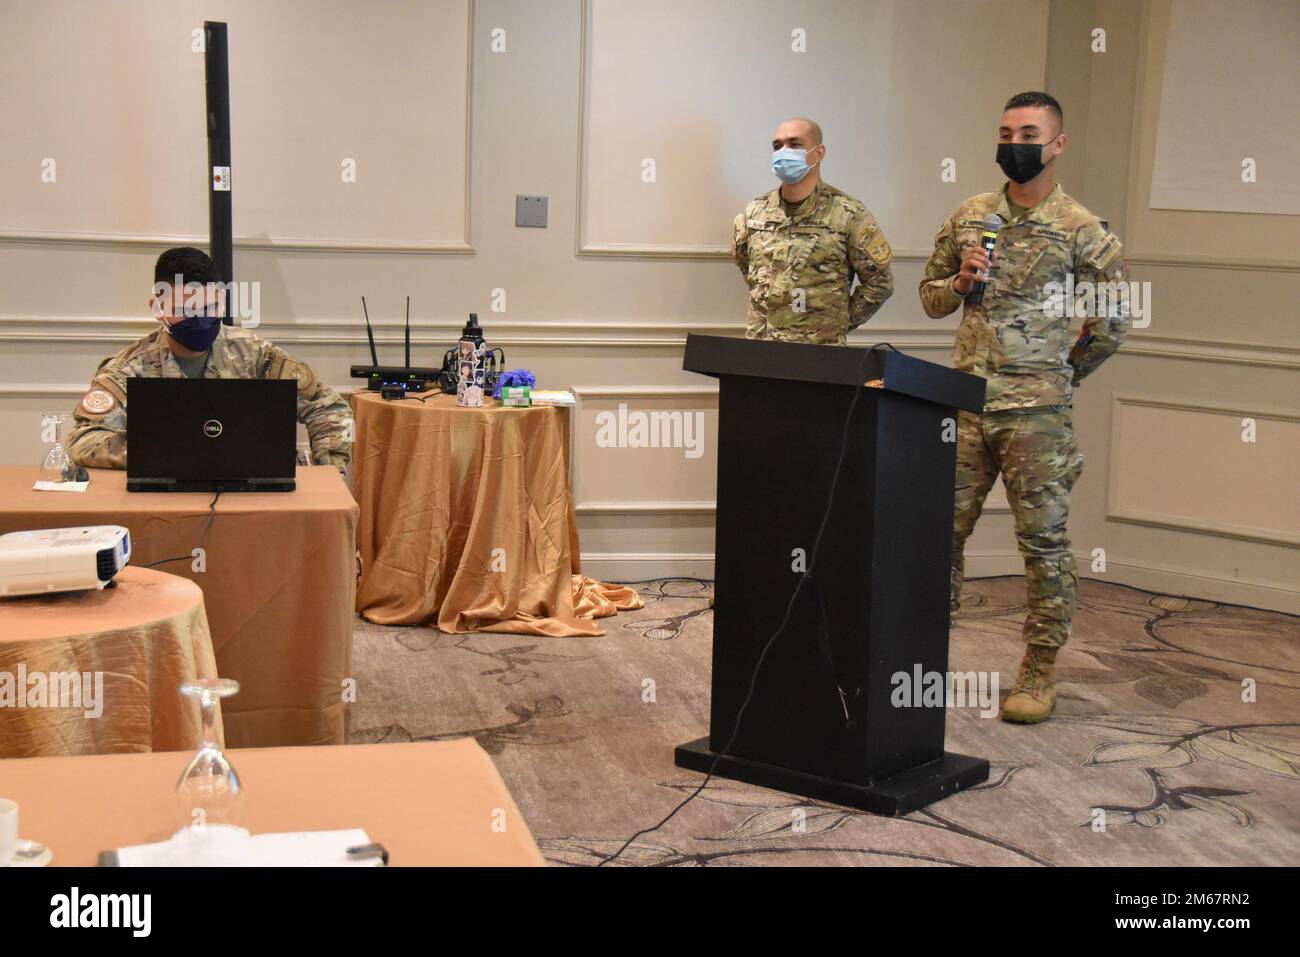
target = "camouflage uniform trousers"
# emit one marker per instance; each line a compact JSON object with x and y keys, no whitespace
{"x":1039,"y":461}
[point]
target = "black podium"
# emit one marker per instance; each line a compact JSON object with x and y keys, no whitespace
{"x":821,"y":721}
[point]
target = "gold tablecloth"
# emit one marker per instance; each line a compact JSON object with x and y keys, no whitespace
{"x":278,"y":588}
{"x":467,"y":519}
{"x":434,"y":803}
{"x":145,"y":636}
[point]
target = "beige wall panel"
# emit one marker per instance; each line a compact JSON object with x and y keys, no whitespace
{"x":1251,"y":49}
{"x":699,"y":87}
{"x":116,"y":98}
{"x":1184,"y":561}
{"x":1184,"y":235}
{"x":1220,"y":471}
{"x":651,"y":448}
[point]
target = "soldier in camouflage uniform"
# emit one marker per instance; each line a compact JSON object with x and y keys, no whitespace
{"x":1018,"y":339}
{"x":801,"y":245}
{"x":98,"y":439}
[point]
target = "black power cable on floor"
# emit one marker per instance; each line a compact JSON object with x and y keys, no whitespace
{"x":806,"y":577}
{"x":212,"y":514}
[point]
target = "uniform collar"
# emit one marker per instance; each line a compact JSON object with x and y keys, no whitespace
{"x":1044,"y":212}
{"x":164,"y":360}
{"x":814,"y":200}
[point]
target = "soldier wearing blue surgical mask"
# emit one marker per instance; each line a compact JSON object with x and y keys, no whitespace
{"x":802,"y":245}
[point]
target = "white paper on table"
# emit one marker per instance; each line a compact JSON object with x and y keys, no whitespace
{"x":61,"y":486}
{"x":553,"y":397}
{"x":223,"y":846}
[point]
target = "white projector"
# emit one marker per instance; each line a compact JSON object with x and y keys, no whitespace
{"x":62,"y":559}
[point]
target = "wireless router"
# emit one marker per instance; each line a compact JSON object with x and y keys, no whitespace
{"x":406,"y":377}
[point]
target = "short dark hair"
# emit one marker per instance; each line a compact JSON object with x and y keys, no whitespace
{"x":1037,"y":98}
{"x":192,"y":265}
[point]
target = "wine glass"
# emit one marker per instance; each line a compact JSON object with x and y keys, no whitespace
{"x":209,"y":792}
{"x":57,"y":466}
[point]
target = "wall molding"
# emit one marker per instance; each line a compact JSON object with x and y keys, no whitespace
{"x":1235,"y":263}
{"x":665,"y":507}
{"x":643,"y":566}
{"x":686,"y":251}
{"x":642,"y":391}
{"x":33,"y":390}
{"x":16,"y":237}
{"x":595,"y":334}
{"x":1160,"y":579}
{"x":461,"y":246}
{"x":1167,"y":580}
{"x":1193,"y":349}
{"x":1118,"y":512}
{"x":992,"y":506}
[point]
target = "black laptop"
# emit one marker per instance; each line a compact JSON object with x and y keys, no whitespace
{"x":211,"y":435}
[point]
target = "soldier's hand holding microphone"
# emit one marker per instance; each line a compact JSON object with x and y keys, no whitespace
{"x":974,"y":268}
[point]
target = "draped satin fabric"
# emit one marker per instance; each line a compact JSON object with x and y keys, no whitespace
{"x":467,"y":520}
{"x":146,"y":636}
{"x":278,"y":584}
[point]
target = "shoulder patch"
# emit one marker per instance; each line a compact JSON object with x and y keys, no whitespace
{"x":878,"y":249}
{"x":296,"y":369}
{"x":1101,"y":256}
{"x":98,"y":402}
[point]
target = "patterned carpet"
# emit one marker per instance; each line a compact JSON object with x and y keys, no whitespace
{"x":1151,"y":728}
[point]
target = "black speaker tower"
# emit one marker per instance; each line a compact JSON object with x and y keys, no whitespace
{"x":220,"y":237}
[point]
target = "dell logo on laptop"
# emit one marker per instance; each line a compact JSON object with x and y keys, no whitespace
{"x":212,"y":428}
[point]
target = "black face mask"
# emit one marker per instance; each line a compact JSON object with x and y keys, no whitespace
{"x":1021,"y":162}
{"x":196,"y":333}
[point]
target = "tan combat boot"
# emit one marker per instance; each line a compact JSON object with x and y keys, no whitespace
{"x":1033,"y":696}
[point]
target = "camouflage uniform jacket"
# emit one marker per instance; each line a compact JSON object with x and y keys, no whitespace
{"x":800,"y":268}
{"x":98,"y":438}
{"x":1019,"y":337}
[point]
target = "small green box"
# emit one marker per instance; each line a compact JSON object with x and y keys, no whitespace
{"x":520,"y":395}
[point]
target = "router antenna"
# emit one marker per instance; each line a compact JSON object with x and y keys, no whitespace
{"x":408,"y":332}
{"x":374,"y":357}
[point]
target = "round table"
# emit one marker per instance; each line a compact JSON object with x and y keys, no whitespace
{"x":467,"y":519}
{"x":99,"y":671}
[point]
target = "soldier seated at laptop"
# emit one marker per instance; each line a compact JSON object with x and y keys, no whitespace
{"x":192,"y":341}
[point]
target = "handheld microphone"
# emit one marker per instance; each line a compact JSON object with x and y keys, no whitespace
{"x":992,"y":223}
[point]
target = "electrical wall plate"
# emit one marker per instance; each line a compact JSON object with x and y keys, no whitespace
{"x":530,"y":211}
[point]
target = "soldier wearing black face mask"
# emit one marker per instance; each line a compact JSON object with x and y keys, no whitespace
{"x":1018,"y":338}
{"x":193,"y":342}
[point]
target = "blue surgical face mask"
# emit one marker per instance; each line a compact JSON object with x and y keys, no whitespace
{"x":790,"y":165}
